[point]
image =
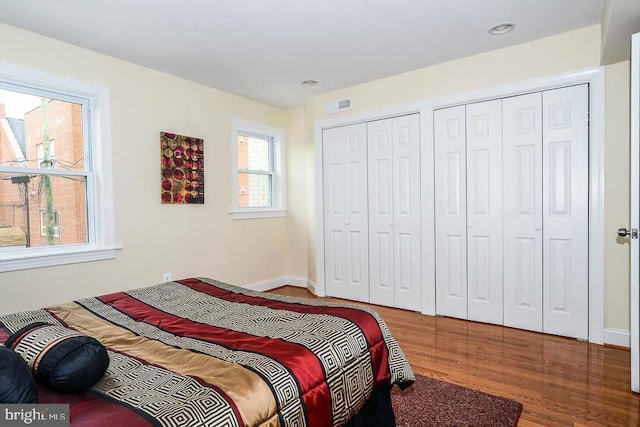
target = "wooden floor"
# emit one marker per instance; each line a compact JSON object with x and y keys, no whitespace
{"x":559,"y":381}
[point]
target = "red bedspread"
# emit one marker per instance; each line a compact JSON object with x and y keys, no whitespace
{"x":200,"y":352}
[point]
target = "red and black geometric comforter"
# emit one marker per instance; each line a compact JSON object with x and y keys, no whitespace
{"x":198,"y":352}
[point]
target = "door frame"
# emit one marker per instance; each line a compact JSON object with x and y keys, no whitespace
{"x":593,"y":76}
{"x":634,"y":274}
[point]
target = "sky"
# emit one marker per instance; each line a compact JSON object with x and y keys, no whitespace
{"x":16,"y":104}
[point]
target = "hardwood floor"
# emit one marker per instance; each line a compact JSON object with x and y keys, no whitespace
{"x":559,"y":381}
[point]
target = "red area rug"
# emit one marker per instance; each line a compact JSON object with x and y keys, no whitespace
{"x":430,"y":402}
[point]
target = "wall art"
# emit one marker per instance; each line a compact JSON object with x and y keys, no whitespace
{"x":182,"y":169}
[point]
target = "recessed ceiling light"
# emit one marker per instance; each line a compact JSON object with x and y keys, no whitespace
{"x":309,"y":82}
{"x":501,"y":28}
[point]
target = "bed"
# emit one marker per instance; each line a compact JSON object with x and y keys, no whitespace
{"x":199,"y":352}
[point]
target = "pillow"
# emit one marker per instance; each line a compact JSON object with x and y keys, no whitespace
{"x":16,"y":382}
{"x":60,"y":357}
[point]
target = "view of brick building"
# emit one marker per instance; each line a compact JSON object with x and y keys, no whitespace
{"x":24,"y":195}
{"x":254,"y":190}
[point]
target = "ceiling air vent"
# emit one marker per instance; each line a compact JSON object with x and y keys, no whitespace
{"x":338,"y":105}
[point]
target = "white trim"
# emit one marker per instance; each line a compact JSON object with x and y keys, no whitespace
{"x":593,"y":76}
{"x":269,"y":284}
{"x":634,"y":273}
{"x":596,"y":206}
{"x":619,"y":337}
{"x":274,"y":213}
{"x":311,"y":286}
{"x":278,"y":191}
{"x":100,"y":219}
{"x":428,"y":225}
{"x":50,"y":258}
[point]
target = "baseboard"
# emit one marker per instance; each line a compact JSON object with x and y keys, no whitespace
{"x":267,"y":285}
{"x":311,"y":287}
{"x":618,"y":337}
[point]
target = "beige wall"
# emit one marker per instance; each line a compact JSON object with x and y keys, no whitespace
{"x":186,"y":240}
{"x":569,"y":52}
{"x":617,"y":206}
{"x":296,"y":176}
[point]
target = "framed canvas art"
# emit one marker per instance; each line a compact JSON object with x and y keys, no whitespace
{"x":182,"y":169}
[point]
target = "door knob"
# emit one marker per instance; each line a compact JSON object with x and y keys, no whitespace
{"x":623,"y":232}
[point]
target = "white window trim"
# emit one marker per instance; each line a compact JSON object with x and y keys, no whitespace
{"x":278,"y":191}
{"x":101,"y":230}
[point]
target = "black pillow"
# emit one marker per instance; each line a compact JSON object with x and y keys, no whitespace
{"x":60,"y":357}
{"x":16,"y":382}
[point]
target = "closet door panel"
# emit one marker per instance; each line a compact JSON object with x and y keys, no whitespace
{"x":394,"y":211}
{"x":406,"y":216}
{"x":484,"y":211}
{"x":345,"y":212}
{"x":450,"y":211}
{"x":565,"y":186}
{"x":522,"y":211}
{"x":380,"y":159}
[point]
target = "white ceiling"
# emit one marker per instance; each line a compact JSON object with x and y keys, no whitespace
{"x":263,"y":49}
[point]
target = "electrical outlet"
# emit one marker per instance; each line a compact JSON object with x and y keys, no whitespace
{"x":166,"y":277}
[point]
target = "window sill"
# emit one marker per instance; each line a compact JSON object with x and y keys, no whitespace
{"x":47,"y":257}
{"x":256,"y":214}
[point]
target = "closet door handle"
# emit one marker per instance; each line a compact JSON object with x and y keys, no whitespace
{"x":346,"y":222}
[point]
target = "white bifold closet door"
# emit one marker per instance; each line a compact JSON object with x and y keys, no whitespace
{"x":393,"y":147}
{"x":468,"y":177}
{"x":346,"y":212}
{"x":546,"y":239}
{"x":511,"y":202}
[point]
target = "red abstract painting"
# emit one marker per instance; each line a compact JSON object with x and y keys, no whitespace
{"x":182,"y":169}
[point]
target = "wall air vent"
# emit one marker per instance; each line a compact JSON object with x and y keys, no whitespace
{"x":338,"y":105}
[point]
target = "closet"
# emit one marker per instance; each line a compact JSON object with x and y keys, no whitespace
{"x":511,"y":211}
{"x":371,"y":181}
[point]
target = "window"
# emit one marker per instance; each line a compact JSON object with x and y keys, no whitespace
{"x":54,"y":164}
{"x":258,"y":184}
{"x":54,"y":226}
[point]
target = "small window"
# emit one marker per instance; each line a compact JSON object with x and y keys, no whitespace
{"x":258,"y":180}
{"x":55,"y":165}
{"x":49,"y":225}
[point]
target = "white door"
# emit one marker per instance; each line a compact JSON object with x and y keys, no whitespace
{"x":635,"y":213}
{"x":522,"y":211}
{"x":450,"y":211}
{"x":394,"y":211}
{"x":345,"y":212}
{"x":565,"y":191}
{"x":484,"y":211}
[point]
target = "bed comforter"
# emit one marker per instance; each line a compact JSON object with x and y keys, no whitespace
{"x":198,"y":352}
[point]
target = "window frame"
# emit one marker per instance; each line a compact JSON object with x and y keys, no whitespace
{"x":241,"y":127}
{"x":97,"y":162}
